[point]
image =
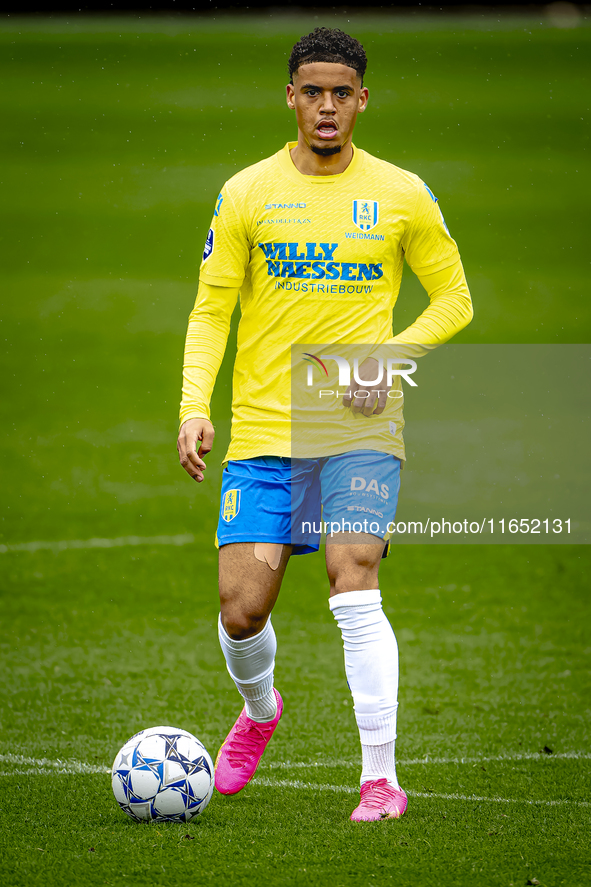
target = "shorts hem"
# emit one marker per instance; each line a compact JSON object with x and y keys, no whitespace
{"x":298,"y":547}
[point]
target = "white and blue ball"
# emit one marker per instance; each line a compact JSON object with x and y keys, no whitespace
{"x":163,"y":774}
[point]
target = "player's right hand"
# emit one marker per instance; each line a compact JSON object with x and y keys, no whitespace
{"x":369,"y":398}
{"x":192,"y":433}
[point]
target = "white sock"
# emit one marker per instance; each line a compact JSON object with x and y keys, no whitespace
{"x":379,"y":763}
{"x":371,"y":665}
{"x":250,"y":663}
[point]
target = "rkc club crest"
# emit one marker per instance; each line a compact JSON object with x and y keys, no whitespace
{"x":365,"y":214}
{"x":231,"y":505}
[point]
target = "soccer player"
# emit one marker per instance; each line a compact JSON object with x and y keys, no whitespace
{"x":313,"y":240}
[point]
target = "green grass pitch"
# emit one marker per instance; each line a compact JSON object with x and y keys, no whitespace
{"x":116,"y":137}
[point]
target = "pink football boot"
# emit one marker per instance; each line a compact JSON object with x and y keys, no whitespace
{"x":242,"y":750}
{"x":379,"y":800}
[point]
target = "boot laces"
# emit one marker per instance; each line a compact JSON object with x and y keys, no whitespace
{"x":246,"y":742}
{"x":380,"y":792}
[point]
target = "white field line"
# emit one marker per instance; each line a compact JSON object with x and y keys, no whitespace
{"x":40,"y":771}
{"x":70,"y":766}
{"x":411,"y":762}
{"x":528,"y":801}
{"x":45,"y":767}
{"x":298,"y":783}
{"x":119,"y":542}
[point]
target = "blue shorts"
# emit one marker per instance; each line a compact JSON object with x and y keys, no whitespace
{"x":295,"y":501}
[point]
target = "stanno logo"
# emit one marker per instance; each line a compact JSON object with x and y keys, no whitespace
{"x":365,"y":510}
{"x":285,"y":206}
{"x":365,"y":214}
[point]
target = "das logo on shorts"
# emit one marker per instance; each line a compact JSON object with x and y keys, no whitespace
{"x":231,"y":505}
{"x":365,"y":214}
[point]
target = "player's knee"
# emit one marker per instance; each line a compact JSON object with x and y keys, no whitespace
{"x":342,"y":562}
{"x":240,"y":625}
{"x":351,"y":571}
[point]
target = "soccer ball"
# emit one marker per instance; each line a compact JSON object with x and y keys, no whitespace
{"x":163,"y":774}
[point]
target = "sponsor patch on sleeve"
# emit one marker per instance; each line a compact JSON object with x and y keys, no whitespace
{"x":208,"y":245}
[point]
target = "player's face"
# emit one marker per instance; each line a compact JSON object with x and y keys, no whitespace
{"x":327,"y":99}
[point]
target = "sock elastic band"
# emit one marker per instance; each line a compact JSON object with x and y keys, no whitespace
{"x":355,"y":598}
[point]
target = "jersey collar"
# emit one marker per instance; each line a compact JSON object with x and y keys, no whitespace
{"x":288,"y":167}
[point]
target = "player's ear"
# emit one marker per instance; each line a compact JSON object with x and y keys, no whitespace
{"x":363,"y":99}
{"x":290,"y":96}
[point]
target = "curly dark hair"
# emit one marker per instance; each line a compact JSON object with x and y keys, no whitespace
{"x":328,"y":45}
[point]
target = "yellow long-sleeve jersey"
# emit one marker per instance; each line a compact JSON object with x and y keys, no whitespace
{"x":315,"y":259}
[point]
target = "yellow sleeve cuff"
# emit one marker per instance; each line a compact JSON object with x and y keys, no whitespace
{"x":220,"y":281}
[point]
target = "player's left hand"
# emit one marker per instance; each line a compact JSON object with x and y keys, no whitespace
{"x":368,"y":399}
{"x":195,"y":440}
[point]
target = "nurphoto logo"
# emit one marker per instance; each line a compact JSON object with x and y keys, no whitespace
{"x":394,"y":367}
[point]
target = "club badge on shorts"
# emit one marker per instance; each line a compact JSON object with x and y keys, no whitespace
{"x":230,"y":505}
{"x":365,"y":214}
